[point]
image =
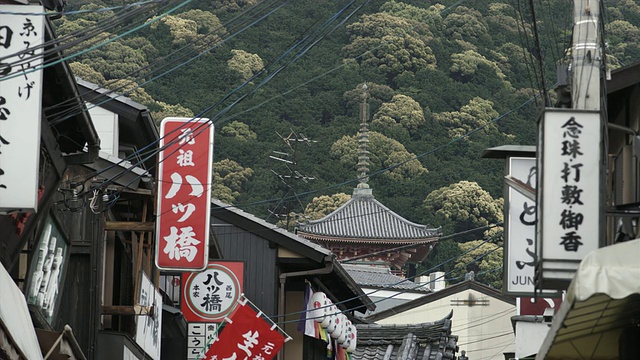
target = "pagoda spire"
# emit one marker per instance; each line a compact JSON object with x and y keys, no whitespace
{"x":363,"y":145}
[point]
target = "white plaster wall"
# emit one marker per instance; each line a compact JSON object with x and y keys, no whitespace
{"x":106,"y":124}
{"x":485,"y":332}
{"x":529,"y":337}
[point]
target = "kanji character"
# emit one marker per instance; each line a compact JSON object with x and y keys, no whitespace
{"x":176,"y":181}
{"x":181,"y":245}
{"x":250,"y":340}
{"x":572,"y":128}
{"x":186,"y":209}
{"x":185,"y":158}
{"x":186,"y":137}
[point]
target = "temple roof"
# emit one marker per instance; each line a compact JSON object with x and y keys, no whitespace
{"x":407,"y":342}
{"x":365,"y":218}
{"x":381,"y":277}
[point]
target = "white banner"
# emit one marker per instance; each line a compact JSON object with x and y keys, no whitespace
{"x":570,"y":192}
{"x":20,"y":106}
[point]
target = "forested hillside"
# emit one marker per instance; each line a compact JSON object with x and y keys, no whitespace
{"x":447,"y":80}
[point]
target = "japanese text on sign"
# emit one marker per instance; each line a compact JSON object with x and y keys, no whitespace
{"x":183,"y":193}
{"x":20,"y":105}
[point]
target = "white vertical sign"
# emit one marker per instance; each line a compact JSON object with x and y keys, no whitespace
{"x":149,"y":327}
{"x":521,"y":230}
{"x":20,"y":105}
{"x":570,"y":193}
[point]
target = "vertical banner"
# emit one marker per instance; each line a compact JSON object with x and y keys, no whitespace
{"x":570,"y":196}
{"x":184,"y":193}
{"x":149,"y":327}
{"x":520,"y":255}
{"x":246,"y":336}
{"x":21,"y":36}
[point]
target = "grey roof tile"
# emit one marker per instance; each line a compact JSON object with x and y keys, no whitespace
{"x":364,"y":217}
{"x":381,"y":277}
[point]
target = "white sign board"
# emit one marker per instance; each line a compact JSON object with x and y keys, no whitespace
{"x":149,"y":328}
{"x":20,"y":106}
{"x":520,"y":259}
{"x":570,"y":190}
{"x":199,"y":338}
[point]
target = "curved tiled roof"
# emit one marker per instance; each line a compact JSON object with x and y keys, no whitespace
{"x":364,"y":217}
{"x":381,"y":277}
{"x":406,"y":342}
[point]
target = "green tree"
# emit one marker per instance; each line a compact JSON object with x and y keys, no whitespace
{"x":467,"y":24}
{"x":239,"y":131}
{"x":401,"y":111}
{"x":318,"y":208}
{"x":245,"y":64}
{"x":163,"y":110}
{"x":485,"y":260}
{"x":322,"y":206}
{"x":232,"y":5}
{"x":389,"y":44}
{"x":115,"y":60}
{"x":463,"y":206}
{"x":229,"y":177}
{"x":384,"y":152}
{"x":476,"y":114}
{"x":86,"y":73}
{"x":624,"y":40}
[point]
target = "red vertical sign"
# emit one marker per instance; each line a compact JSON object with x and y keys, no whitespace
{"x":246,"y":336}
{"x":184,"y":192}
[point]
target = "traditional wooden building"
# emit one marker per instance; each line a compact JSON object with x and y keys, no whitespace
{"x":365,"y":229}
{"x":431,"y":340}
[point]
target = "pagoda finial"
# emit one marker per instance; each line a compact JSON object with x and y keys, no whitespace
{"x":363,"y":140}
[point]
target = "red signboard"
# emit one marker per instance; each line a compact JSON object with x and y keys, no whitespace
{"x":212,"y":294}
{"x":537,"y":306}
{"x":184,"y":192}
{"x":246,"y":336}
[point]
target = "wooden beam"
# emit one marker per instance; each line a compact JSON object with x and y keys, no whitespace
{"x":129,"y":226}
{"x":128,"y":310}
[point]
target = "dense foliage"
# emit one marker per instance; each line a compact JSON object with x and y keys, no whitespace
{"x":446,"y":81}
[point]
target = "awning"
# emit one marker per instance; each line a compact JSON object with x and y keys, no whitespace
{"x":17,"y":336}
{"x":59,"y":345}
{"x":603,"y":299}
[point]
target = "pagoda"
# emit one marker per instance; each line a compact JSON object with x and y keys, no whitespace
{"x":363,"y":230}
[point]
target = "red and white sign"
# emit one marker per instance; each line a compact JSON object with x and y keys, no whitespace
{"x":246,"y":336}
{"x":537,"y":305}
{"x":184,"y":192}
{"x":211,"y":295}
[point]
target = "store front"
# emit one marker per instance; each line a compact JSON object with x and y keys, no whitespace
{"x":600,"y":316}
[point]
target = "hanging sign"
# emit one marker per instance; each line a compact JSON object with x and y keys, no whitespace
{"x":21,"y":38}
{"x":570,"y":193}
{"x":184,"y":193}
{"x":212,"y":294}
{"x":520,"y":253}
{"x":247,"y":335}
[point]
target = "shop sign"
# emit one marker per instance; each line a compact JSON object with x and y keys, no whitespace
{"x":520,"y":227}
{"x":211,"y":295}
{"x":247,"y":336}
{"x":570,"y":193}
{"x":184,"y":194}
{"x":47,"y":269}
{"x":21,"y":37}
{"x":149,"y":327}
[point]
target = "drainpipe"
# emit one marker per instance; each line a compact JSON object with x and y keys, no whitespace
{"x":327,"y":269}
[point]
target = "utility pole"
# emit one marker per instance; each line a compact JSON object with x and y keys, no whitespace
{"x":586,"y":56}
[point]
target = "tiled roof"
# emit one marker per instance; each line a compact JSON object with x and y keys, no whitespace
{"x":364,"y":217}
{"x":406,"y":342}
{"x":381,"y":277}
